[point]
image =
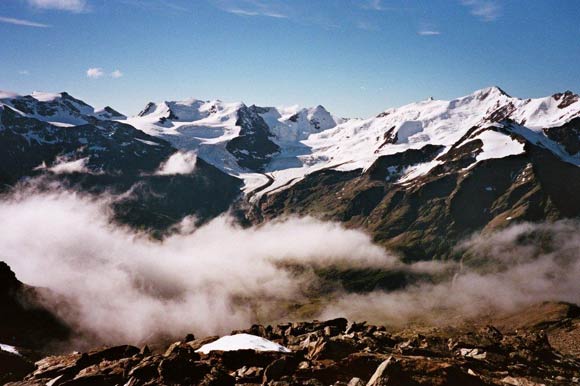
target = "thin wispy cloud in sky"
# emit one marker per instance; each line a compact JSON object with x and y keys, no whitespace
{"x":155,"y":5}
{"x":254,"y":8}
{"x":373,"y":4}
{"x":366,"y":26}
{"x":376,"y":5}
{"x":95,"y":73}
{"x":76,"y":6}
{"x":428,"y":29}
{"x":428,"y":32}
{"x":486,"y":10}
{"x":22,"y":22}
{"x":244,"y":12}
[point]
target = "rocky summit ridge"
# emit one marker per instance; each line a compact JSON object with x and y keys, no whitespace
{"x":333,"y":352}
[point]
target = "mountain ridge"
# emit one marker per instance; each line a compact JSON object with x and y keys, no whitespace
{"x":409,"y":176}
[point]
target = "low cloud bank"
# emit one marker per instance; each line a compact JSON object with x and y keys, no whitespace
{"x":62,"y":165}
{"x":500,"y":272}
{"x":122,"y":286}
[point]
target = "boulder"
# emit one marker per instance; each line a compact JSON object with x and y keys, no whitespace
{"x":279,"y":368}
{"x":334,"y":348}
{"x":181,"y":368}
{"x":387,"y":374}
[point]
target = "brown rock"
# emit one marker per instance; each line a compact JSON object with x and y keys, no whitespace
{"x":196,"y":344}
{"x":249,"y":374}
{"x":387,"y":374}
{"x":218,"y":377}
{"x":233,"y":360}
{"x":109,"y":354}
{"x":356,"y":382}
{"x":182,"y":370}
{"x":146,"y":369}
{"x":279,"y":368}
{"x":334,"y":348}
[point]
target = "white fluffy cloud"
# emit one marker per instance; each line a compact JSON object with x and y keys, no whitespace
{"x":123,"y":286}
{"x":95,"y":73}
{"x":116,"y":74}
{"x":178,"y":163}
{"x":61,"y":5}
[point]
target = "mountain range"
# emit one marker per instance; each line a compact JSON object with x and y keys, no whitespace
{"x":419,"y":178}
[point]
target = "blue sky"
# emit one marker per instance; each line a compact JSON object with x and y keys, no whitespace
{"x":355,"y":57}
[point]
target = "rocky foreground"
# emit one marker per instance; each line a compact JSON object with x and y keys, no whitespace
{"x":336,"y":352}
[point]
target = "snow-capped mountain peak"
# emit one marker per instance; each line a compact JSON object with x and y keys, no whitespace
{"x":57,"y":108}
{"x":278,"y":146}
{"x":303,"y":140}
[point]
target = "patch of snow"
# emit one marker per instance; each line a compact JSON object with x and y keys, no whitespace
{"x":150,"y":143}
{"x":61,"y":124}
{"x":418,"y":170}
{"x":407,"y":130}
{"x":498,"y":145}
{"x":8,"y":348}
{"x":242,"y":342}
{"x":45,"y":96}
